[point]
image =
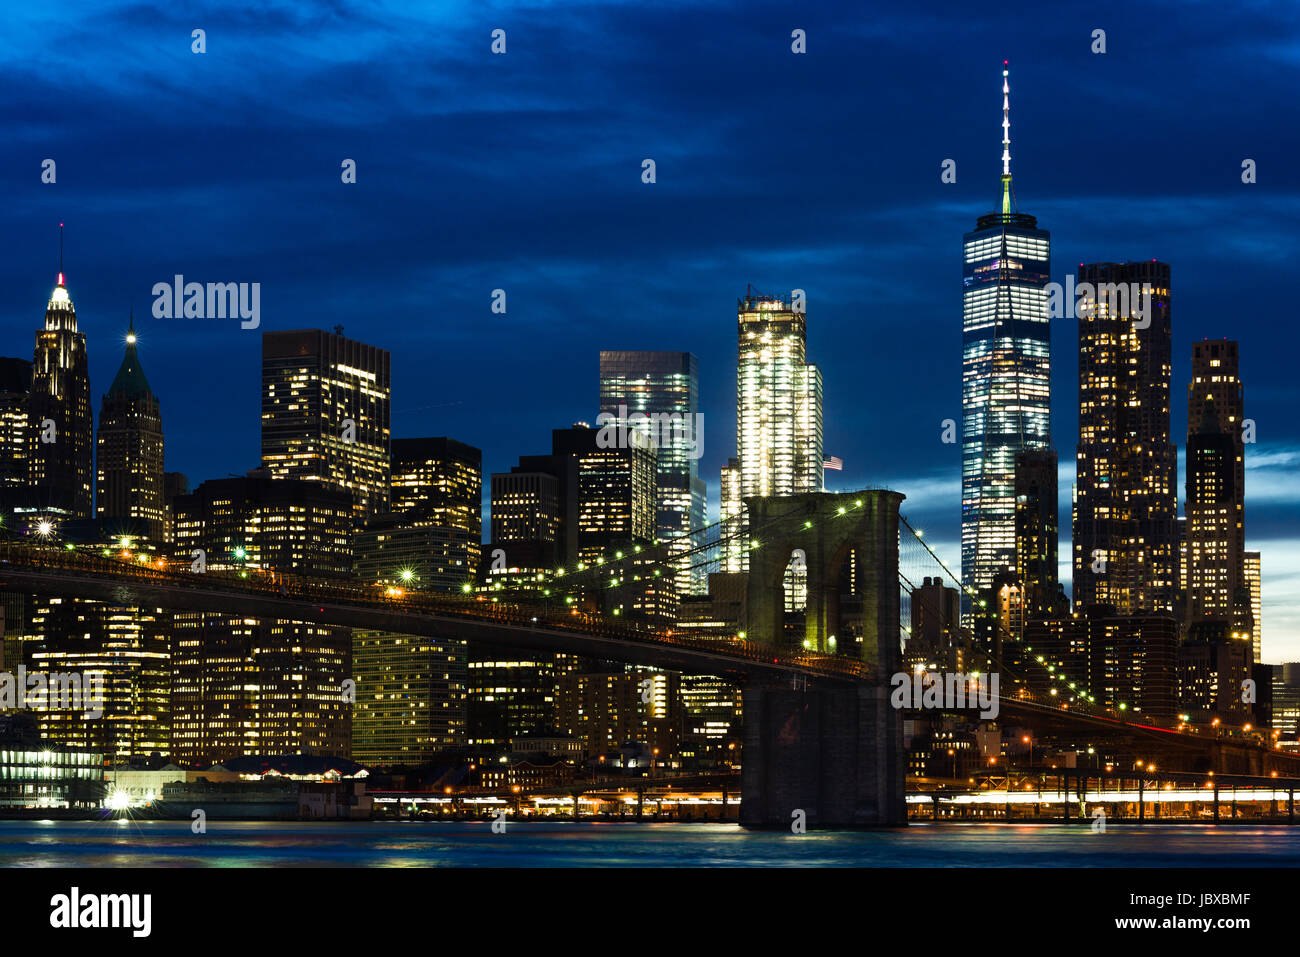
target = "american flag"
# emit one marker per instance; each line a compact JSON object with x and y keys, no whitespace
{"x":834,"y":462}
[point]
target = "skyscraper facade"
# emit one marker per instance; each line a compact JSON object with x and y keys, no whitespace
{"x":666,"y":387}
{"x":778,"y":409}
{"x":60,"y":436}
{"x":325,"y":413}
{"x":401,"y":551}
{"x":411,"y":694}
{"x":1216,"y":475}
{"x":127,"y":650}
{"x":129,"y":490}
{"x":261,"y":686}
{"x":1006,"y":374}
{"x":1124,"y":529}
{"x":1036,"y":536}
{"x":438,"y":481}
{"x":615,"y":492}
{"x":526,"y":510}
{"x":15,"y":389}
{"x":411,"y":689}
{"x":731,"y":547}
{"x":1254,"y":586}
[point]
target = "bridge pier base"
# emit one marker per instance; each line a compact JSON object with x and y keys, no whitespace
{"x":836,"y":754}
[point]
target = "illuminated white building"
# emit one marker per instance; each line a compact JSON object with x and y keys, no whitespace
{"x":778,"y":416}
{"x":1006,"y":373}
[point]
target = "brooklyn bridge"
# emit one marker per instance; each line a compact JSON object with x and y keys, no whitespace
{"x":821,"y":736}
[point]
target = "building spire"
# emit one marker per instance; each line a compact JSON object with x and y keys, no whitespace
{"x":61,"y":254}
{"x":1006,"y":140}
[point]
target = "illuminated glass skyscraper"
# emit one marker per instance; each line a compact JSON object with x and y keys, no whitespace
{"x":778,"y":413}
{"x":666,"y":386}
{"x":1006,"y":373}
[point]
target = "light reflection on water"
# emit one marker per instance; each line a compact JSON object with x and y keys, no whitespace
{"x":595,"y":844}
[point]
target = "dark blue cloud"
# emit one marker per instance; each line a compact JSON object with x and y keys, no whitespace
{"x":522,"y":172}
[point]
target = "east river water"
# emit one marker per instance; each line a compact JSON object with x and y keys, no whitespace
{"x":593,"y":844}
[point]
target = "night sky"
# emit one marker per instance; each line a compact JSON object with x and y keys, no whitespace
{"x":523,"y":172}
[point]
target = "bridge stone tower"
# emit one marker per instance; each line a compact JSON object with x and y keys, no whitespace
{"x":833,"y":751}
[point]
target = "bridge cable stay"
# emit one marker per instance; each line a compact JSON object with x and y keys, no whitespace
{"x":1087,"y":704}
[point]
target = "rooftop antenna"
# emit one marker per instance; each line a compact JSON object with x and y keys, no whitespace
{"x":60,"y":254}
{"x":1006,"y":140}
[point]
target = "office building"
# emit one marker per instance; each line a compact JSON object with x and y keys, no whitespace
{"x":1212,"y":665}
{"x":660,"y":393}
{"x":778,"y":414}
{"x":1286,"y":704}
{"x":731,"y":510}
{"x":1125,"y":664}
{"x":509,"y":696}
{"x":15,"y":388}
{"x":615,"y":498}
{"x":1006,"y":374}
{"x":1217,"y":588}
{"x":608,"y":709}
{"x":124,"y":653}
{"x":60,"y":438}
{"x":440,"y":481}
{"x":934,"y":636}
{"x":243,"y":685}
{"x":37,"y":774}
{"x":411,"y":697}
{"x":130,"y":493}
{"x":1124,"y":530}
{"x":392,"y":549}
{"x":1254,"y":588}
{"x":325,"y":413}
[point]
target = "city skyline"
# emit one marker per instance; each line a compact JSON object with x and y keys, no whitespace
{"x":832,"y":248}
